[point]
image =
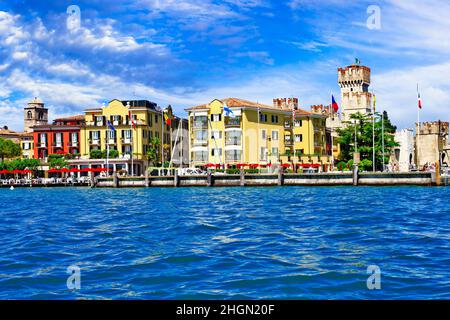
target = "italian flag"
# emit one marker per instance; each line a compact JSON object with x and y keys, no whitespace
{"x":420,"y":101}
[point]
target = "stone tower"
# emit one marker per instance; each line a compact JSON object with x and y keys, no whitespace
{"x":354,"y":81}
{"x":35,"y":114}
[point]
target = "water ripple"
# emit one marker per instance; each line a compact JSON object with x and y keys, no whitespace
{"x":220,"y":243}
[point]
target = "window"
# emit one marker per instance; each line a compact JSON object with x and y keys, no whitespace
{"x":263,"y":134}
{"x":74,"y":137}
{"x":233,"y":155}
{"x":275,"y":152}
{"x":156,"y":118}
{"x":298,"y":138}
{"x":274,"y":135}
{"x":127,"y":134}
{"x":216,"y":134}
{"x":95,"y":135}
{"x":200,"y":156}
{"x":262,"y":117}
{"x":233,"y":138}
{"x":43,"y":138}
{"x":111,"y":134}
{"x":201,"y":135}
{"x":298,"y":123}
{"x":29,"y":115}
{"x":274,"y":119}
{"x":216,"y":117}
{"x":216,"y":152}
{"x":41,"y":115}
{"x":263,"y":154}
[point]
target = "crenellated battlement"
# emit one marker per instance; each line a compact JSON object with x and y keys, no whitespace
{"x":435,"y":127}
{"x":353,"y":75}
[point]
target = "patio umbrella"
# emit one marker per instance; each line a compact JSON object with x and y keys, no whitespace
{"x":54,"y":171}
{"x":285,"y":165}
{"x":27,"y":171}
{"x":17,"y":171}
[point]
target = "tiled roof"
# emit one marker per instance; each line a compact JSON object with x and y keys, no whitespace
{"x":235,"y":102}
{"x":72,"y":118}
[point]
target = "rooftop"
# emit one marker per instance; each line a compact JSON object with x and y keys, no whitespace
{"x":235,"y":103}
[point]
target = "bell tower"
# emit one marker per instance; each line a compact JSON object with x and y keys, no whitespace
{"x":354,"y":81}
{"x":35,"y":114}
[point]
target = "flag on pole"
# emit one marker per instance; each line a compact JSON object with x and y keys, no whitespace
{"x":110,"y":126}
{"x":334,"y":104}
{"x":167,"y":119}
{"x":374,"y":104}
{"x":419,"y":100}
{"x":132,"y":120}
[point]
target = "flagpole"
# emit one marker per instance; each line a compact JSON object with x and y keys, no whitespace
{"x":162,"y":137}
{"x":107,"y":150}
{"x":332,"y":130}
{"x":132,"y":144}
{"x":373,"y":132}
{"x":418,"y":127}
{"x":382,"y":135}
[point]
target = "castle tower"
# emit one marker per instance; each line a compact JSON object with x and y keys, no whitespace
{"x":354,"y":81}
{"x":35,"y":114}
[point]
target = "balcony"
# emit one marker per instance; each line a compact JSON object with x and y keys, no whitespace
{"x":58,"y":144}
{"x":42,"y":145}
{"x":99,"y":123}
{"x":233,"y":141}
{"x":126,"y":141}
{"x":73,"y":144}
{"x":94,"y":142}
{"x":287,"y":124}
{"x":200,"y":125}
{"x":233,"y":122}
{"x":199,"y":142}
{"x":111,"y":141}
{"x":288,"y":141}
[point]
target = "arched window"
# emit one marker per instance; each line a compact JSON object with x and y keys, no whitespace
{"x":41,"y":115}
{"x":29,"y":115}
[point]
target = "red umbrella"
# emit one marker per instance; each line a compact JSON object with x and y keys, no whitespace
{"x":254,"y":166}
{"x":85,"y":170}
{"x":27,"y":171}
{"x":64,"y":170}
{"x":17,"y":172}
{"x":54,"y":171}
{"x":210,"y":165}
{"x":74,"y":170}
{"x":5,"y":172}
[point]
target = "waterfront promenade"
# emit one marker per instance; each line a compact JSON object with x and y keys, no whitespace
{"x":240,"y":180}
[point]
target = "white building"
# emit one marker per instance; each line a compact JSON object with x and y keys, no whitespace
{"x":404,"y":155}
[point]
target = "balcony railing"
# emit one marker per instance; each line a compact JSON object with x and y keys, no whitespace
{"x":126,"y":141}
{"x":287,"y":124}
{"x":199,"y":142}
{"x":288,"y":141}
{"x":200,"y":124}
{"x":233,"y":141}
{"x":94,"y":142}
{"x":111,"y":141}
{"x":73,"y":144}
{"x":42,"y":144}
{"x":233,"y":122}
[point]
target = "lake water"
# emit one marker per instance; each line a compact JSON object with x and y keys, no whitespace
{"x":225,"y":243}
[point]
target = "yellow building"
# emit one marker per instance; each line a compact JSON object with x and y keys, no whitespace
{"x":149,"y":123}
{"x":24,"y":139}
{"x":230,"y":131}
{"x":234,"y":131}
{"x":307,"y":143}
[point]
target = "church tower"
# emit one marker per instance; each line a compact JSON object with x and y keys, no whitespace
{"x":354,"y":81}
{"x":35,"y":114}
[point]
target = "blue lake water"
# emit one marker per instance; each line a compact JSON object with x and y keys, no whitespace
{"x":225,"y":243}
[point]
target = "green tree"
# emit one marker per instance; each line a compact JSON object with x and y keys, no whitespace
{"x":57,"y":161}
{"x":153,"y":151}
{"x":9,"y":149}
{"x":364,"y":127}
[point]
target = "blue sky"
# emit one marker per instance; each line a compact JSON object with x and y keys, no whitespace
{"x":188,"y":52}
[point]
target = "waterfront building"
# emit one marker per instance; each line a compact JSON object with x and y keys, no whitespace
{"x":234,"y":131}
{"x":307,"y":141}
{"x":132,"y":138}
{"x":431,"y":141}
{"x":60,"y":137}
{"x":403,"y":156}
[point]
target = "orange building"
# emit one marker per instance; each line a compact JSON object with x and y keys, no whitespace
{"x":61,"y":137}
